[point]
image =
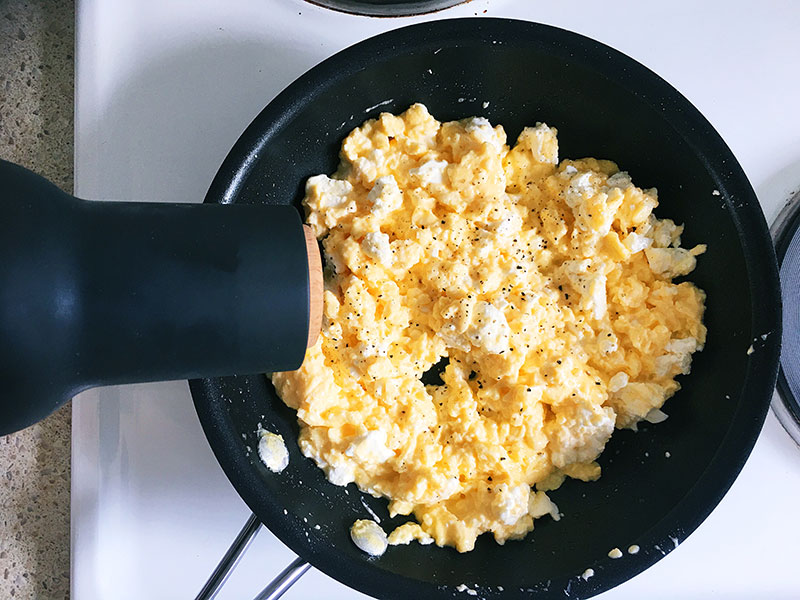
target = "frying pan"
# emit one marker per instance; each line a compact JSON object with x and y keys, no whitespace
{"x":658,"y":484}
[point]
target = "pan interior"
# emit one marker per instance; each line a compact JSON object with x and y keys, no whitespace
{"x":657,"y":484}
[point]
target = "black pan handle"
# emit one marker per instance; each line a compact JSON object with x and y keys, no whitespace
{"x":100,"y":293}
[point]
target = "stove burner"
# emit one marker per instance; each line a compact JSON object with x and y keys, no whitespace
{"x":387,"y":8}
{"x":786,"y":232}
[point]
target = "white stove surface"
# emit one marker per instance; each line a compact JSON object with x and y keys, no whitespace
{"x":165,"y":87}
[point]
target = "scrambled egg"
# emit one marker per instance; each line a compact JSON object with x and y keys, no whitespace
{"x":369,"y":537}
{"x":546,"y":284}
{"x":272,"y":451}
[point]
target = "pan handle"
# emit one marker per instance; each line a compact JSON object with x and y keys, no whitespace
{"x":276,"y":588}
{"x":287,"y":578}
{"x":230,"y":560}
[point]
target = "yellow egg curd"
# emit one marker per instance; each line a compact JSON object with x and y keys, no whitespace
{"x":546,"y":284}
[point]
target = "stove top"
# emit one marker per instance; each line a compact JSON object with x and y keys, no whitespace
{"x":786,"y":233}
{"x":163,"y":90}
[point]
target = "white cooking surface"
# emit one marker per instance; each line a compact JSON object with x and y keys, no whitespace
{"x":165,"y":87}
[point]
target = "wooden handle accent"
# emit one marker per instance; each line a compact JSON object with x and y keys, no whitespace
{"x":315,"y":286}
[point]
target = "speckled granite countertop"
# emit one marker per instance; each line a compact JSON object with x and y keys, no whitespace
{"x":36,"y":104}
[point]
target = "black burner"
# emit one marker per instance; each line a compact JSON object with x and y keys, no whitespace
{"x":787,"y":246}
{"x":387,"y":8}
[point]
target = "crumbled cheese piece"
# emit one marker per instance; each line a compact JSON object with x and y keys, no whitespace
{"x":370,"y":447}
{"x":330,"y":193}
{"x":376,"y":245}
{"x":579,"y":189}
{"x":369,"y":537}
{"x":678,"y":357}
{"x":385,"y":195}
{"x":463,"y":588}
{"x":656,"y":416}
{"x":664,"y":232}
{"x":272,"y":451}
{"x":615,"y":553}
{"x":430,"y":173}
{"x":633,"y":549}
{"x":490,"y":329}
{"x":587,"y":574}
{"x":511,"y":502}
{"x":618,"y":381}
{"x":636,"y":243}
{"x":542,"y":142}
{"x":482,"y":130}
{"x":590,"y":285}
{"x":342,"y":473}
{"x":579,"y":435}
{"x":620,"y":180}
{"x":670,"y":262}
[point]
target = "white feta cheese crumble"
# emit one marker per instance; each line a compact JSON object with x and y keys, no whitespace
{"x":615,"y":553}
{"x":369,"y":537}
{"x":385,"y":195}
{"x":678,"y":357}
{"x":633,"y":549}
{"x":489,"y":329}
{"x":608,"y":342}
{"x":636,"y":243}
{"x":511,"y":502}
{"x":583,"y":438}
{"x":542,"y":146}
{"x":620,"y":180}
{"x":508,"y":224}
{"x":463,"y":588}
{"x":342,"y":474}
{"x":587,"y":574}
{"x":376,"y":245}
{"x":430,"y":173}
{"x":370,"y":448}
{"x":656,"y":416}
{"x":272,"y":451}
{"x":329,"y":192}
{"x":617,"y":382}
{"x":481,"y":129}
{"x":579,"y":188}
{"x":670,"y":262}
{"x":591,"y":286}
{"x":664,"y":232}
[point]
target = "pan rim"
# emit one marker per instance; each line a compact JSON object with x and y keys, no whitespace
{"x":754,"y":237}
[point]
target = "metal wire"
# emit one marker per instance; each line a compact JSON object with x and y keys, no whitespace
{"x":285,"y":580}
{"x":231,"y":559}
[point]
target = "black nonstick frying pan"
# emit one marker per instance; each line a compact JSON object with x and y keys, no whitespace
{"x":603,"y":104}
